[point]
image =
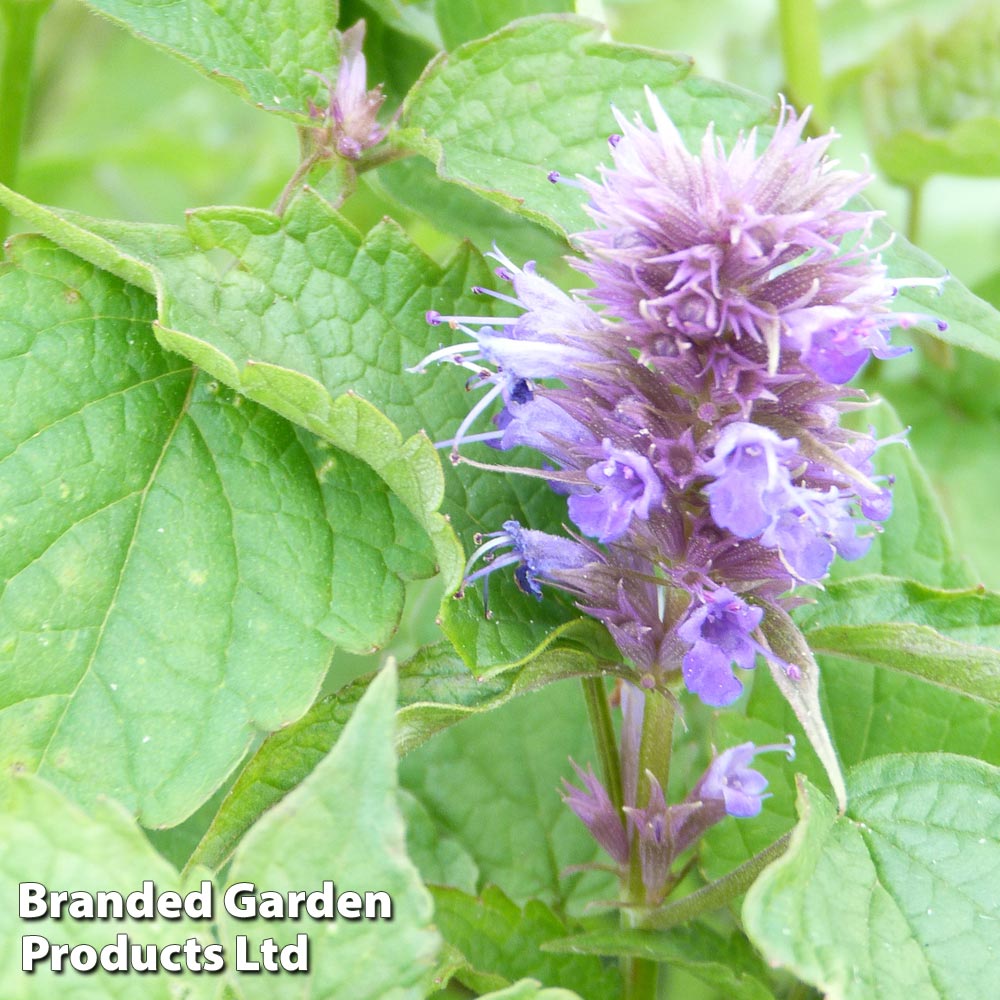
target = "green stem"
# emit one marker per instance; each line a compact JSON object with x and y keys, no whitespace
{"x":657,"y":742}
{"x":295,"y":182}
{"x":641,"y":979}
{"x":798,"y":22}
{"x":21,"y":19}
{"x":603,"y":729}
{"x":642,"y":974}
{"x":716,"y":894}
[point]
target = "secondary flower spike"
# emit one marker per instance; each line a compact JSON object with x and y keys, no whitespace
{"x":350,"y":116}
{"x":688,"y":405}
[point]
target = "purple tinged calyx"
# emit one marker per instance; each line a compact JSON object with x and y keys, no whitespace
{"x":595,"y":808}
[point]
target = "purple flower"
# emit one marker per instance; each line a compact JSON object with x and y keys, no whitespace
{"x":542,"y":424}
{"x":555,"y":337}
{"x":750,"y":480}
{"x":351,"y":115}
{"x":536,"y":555}
{"x":731,"y":785}
{"x":628,"y":487}
{"x":655,"y":826}
{"x":741,"y":245}
{"x":835,"y":342}
{"x":811,"y":527}
{"x":597,"y":811}
{"x":692,"y":419}
{"x":718,"y":629}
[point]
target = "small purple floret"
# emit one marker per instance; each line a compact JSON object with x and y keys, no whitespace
{"x":732,"y":783}
{"x":719,"y":630}
{"x":628,"y":487}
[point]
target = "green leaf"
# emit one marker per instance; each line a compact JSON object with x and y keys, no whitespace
{"x":172,"y":582}
{"x":303,"y":316}
{"x":916,"y":542}
{"x":954,"y":415}
{"x":51,"y":840}
{"x":401,"y":38}
{"x":498,"y":937}
{"x":343,"y":822}
{"x":463,"y":20}
{"x":801,"y":691}
{"x":897,"y":898}
{"x":950,"y":638}
{"x":972,"y":322}
{"x":306,"y":316}
{"x":410,"y":17}
{"x":436,"y":691}
{"x":728,"y":964}
{"x":492,"y":784}
{"x":413,"y":183}
{"x":261,"y":50}
{"x":933,"y":103}
{"x":440,"y":860}
{"x":497,"y":115}
{"x":870,"y":711}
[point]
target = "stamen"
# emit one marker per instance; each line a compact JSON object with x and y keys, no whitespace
{"x":452,"y":354}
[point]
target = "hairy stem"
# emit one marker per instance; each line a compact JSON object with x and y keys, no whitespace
{"x":716,"y":894}
{"x":798,"y":23}
{"x":295,"y":182}
{"x":20,"y":19}
{"x":603,"y":729}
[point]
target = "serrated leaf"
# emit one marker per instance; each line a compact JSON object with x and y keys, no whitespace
{"x":933,"y":103}
{"x":950,"y":638}
{"x":728,"y":965}
{"x":51,"y":840}
{"x":498,"y":114}
{"x":801,"y":690}
{"x":171,"y":583}
{"x":436,"y":691}
{"x":306,"y":316}
{"x":463,"y":20}
{"x":897,"y":898}
{"x":261,"y":50}
{"x":343,"y":822}
{"x":916,"y":541}
{"x":304,"y":323}
{"x":500,"y":938}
